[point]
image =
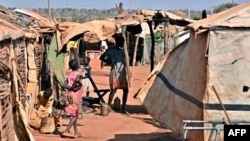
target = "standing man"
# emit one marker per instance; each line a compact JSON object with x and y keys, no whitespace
{"x":115,"y":56}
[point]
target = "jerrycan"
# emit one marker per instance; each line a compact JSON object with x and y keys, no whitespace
{"x":117,"y":104}
{"x":47,"y":125}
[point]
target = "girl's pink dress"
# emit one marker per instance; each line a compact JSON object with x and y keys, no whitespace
{"x":75,"y":98}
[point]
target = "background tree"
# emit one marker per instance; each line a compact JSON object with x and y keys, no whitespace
{"x":84,"y":15}
{"x":223,"y":7}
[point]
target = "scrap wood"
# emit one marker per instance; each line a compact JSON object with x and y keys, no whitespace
{"x":222,"y":105}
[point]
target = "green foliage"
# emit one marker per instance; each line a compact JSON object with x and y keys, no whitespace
{"x":79,"y":15}
{"x":63,"y":20}
{"x":223,"y":7}
{"x":158,"y":35}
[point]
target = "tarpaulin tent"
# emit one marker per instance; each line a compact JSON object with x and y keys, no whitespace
{"x":56,"y":61}
{"x":205,"y":78}
{"x":94,"y":31}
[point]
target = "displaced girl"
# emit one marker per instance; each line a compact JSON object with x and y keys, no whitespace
{"x":74,"y":95}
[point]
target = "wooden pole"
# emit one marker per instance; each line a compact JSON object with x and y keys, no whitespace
{"x":49,"y":10}
{"x":152,"y":45}
{"x":222,"y":105}
{"x":134,"y":56}
{"x":119,"y":8}
{"x":128,"y":43}
{"x":126,"y":54}
{"x":129,"y":5}
{"x":166,"y":26}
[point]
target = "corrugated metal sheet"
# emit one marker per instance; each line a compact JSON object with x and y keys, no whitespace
{"x":31,"y":14}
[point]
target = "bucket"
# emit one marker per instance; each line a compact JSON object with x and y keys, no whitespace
{"x":104,"y":109}
{"x":47,"y":125}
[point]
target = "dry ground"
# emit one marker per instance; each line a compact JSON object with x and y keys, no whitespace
{"x":138,"y":126}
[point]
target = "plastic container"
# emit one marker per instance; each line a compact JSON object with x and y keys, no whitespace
{"x":47,"y":125}
{"x":104,"y":109}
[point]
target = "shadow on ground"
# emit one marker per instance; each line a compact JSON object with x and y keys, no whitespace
{"x":147,"y":137}
{"x":137,"y":109}
{"x":140,"y":109}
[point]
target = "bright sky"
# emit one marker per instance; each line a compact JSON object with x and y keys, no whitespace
{"x":127,"y":4}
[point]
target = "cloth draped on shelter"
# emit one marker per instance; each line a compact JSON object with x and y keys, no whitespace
{"x":56,"y":60}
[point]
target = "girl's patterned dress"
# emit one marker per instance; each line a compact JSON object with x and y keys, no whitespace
{"x":74,"y":97}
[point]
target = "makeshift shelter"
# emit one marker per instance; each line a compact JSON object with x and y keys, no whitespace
{"x":6,"y":116}
{"x":96,"y":31}
{"x":170,"y":24}
{"x":206,"y":78}
{"x":23,"y":46}
{"x":49,"y":61}
{"x":56,"y":36}
{"x":14,"y":72}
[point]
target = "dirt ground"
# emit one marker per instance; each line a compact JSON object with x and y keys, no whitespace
{"x":138,"y":126}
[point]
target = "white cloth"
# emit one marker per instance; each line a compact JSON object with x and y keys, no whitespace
{"x":86,"y":85}
{"x":104,"y":44}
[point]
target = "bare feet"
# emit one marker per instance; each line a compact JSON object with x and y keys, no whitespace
{"x":78,"y":135}
{"x":67,"y":134}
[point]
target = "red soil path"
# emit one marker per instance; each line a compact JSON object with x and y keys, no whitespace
{"x":138,"y":126}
